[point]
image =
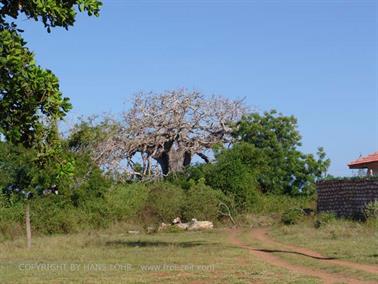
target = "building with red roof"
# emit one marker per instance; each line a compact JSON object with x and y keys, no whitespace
{"x":369,"y":162}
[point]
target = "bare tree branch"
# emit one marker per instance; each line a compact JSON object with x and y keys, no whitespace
{"x":166,"y":130}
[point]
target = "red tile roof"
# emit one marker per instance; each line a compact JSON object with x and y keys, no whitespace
{"x":372,"y":158}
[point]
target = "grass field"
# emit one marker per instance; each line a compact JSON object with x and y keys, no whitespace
{"x":344,"y":239}
{"x":113,"y":256}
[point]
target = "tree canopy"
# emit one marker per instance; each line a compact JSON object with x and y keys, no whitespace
{"x":52,"y":13}
{"x":286,"y":169}
{"x":163,"y":131}
{"x":30,"y":99}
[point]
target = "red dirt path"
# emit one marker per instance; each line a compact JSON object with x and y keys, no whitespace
{"x":266,"y":255}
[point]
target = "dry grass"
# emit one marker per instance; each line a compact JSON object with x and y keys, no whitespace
{"x":342,"y":239}
{"x":111,"y":256}
{"x":114,"y":256}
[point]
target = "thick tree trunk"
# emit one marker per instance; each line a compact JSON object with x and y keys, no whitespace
{"x":163,"y":161}
{"x":178,"y":159}
{"x":187,"y":159}
{"x":28,"y":226}
{"x":174,"y":160}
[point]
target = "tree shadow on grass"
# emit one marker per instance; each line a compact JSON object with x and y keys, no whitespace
{"x":295,"y":252}
{"x":157,"y":244}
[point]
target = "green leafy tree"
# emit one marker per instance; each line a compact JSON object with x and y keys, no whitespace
{"x":286,"y":169}
{"x":30,"y":100}
{"x":53,"y":13}
{"x":31,"y":103}
{"x":235,"y":173}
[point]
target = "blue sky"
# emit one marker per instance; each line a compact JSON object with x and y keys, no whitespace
{"x":315,"y":59}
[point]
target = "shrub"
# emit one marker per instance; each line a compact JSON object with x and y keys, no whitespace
{"x":95,"y":213}
{"x":202,"y":202}
{"x":371,"y":210}
{"x":55,"y":214}
{"x":11,"y":219}
{"x":324,"y":218}
{"x":126,"y":201}
{"x":233,"y":179}
{"x":163,"y":204}
{"x":270,"y":203}
{"x":292,"y":216}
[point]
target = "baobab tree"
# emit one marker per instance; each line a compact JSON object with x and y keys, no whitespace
{"x":165,"y":131}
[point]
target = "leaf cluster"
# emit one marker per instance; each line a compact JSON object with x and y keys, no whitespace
{"x":52,"y":13}
{"x":285,"y":168}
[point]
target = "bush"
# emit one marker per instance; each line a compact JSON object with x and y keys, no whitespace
{"x":202,"y":202}
{"x":125,"y":202}
{"x":163,"y":204}
{"x":292,"y":216}
{"x":233,"y":179}
{"x":11,"y":219}
{"x":55,"y":214}
{"x":371,"y":210}
{"x":80,"y":183}
{"x":96,"y":213}
{"x":324,"y":218}
{"x":269,"y":203}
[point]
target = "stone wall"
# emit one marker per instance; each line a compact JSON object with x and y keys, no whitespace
{"x":346,"y":198}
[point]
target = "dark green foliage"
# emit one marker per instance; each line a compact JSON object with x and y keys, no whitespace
{"x":80,"y":184}
{"x":28,"y":93}
{"x":80,"y":202}
{"x":285,"y":169}
{"x":163,"y":204}
{"x":202,"y":202}
{"x":30,"y":100}
{"x":371,"y":210}
{"x":264,"y":158}
{"x":126,"y":202}
{"x":11,"y":218}
{"x":55,"y":214}
{"x":87,"y":182}
{"x":292,"y":216}
{"x":230,"y":175}
{"x":324,"y":218}
{"x":31,"y":105}
{"x":88,"y":133}
{"x":270,"y":130}
{"x":96,"y":213}
{"x":15,"y":165}
{"x":329,"y":177}
{"x":53,"y":13}
{"x":234,"y":173}
{"x":278,"y":204}
{"x":73,"y":174}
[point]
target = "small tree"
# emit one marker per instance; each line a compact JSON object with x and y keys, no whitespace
{"x":286,"y":170}
{"x":31,"y":103}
